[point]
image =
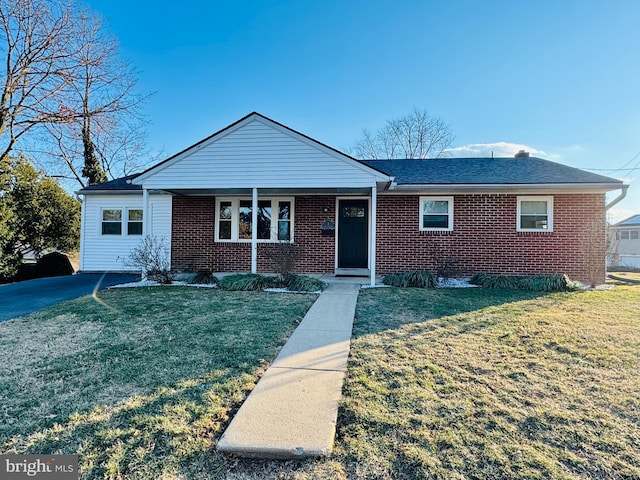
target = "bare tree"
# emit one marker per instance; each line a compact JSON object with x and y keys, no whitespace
{"x":85,"y":106}
{"x":104,"y":100}
{"x":417,"y":135}
{"x":35,"y":39}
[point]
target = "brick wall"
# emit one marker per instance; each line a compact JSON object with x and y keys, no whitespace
{"x":193,"y":247}
{"x":484,"y":237}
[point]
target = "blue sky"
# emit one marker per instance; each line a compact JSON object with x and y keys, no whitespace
{"x":560,"y":77}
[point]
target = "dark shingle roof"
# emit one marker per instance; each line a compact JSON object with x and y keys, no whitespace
{"x":496,"y":171}
{"x":122,"y":183}
{"x":447,"y":171}
{"x":629,"y":222}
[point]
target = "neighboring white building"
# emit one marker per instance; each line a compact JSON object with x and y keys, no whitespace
{"x":625,"y":243}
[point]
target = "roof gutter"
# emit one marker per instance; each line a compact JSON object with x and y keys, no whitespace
{"x":619,"y":198}
{"x":504,"y":188}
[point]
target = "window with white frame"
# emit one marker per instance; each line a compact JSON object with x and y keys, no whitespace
{"x":112,"y":221}
{"x":436,"y":214}
{"x":234,"y":218}
{"x":535,"y":214}
{"x":134,"y":222}
{"x":628,"y":235}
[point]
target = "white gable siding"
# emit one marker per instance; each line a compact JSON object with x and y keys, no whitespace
{"x":107,"y":252}
{"x":258,"y":154}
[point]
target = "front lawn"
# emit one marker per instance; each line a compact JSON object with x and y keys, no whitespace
{"x":138,"y":382}
{"x":479,"y":384}
{"x":476,"y":384}
{"x":442,"y":384}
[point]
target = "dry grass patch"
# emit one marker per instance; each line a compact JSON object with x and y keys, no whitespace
{"x":441,"y":384}
{"x":519,"y":386}
{"x":140,"y":383}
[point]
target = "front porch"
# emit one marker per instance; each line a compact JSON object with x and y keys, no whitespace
{"x":332,"y":232}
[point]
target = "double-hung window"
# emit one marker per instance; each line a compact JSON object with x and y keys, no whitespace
{"x":234,"y":220}
{"x":535,"y":214}
{"x":112,"y":221}
{"x":436,"y":214}
{"x":134,"y":222}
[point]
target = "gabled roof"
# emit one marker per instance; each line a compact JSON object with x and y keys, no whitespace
{"x":257,"y":151}
{"x":480,"y":171}
{"x":629,"y":222}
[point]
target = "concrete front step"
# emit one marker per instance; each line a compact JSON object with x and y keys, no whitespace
{"x":292,"y":412}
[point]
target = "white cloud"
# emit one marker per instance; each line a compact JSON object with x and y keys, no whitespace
{"x":498,"y":149}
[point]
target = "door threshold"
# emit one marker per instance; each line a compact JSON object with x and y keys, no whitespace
{"x":352,"y":272}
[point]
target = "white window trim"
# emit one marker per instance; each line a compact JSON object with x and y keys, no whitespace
{"x":235,"y":219}
{"x":449,"y":214}
{"x":102,"y":221}
{"x":125,"y":220}
{"x":535,"y":198}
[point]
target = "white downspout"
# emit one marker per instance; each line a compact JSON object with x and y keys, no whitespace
{"x":372,"y":248}
{"x":83,"y":225}
{"x":619,"y":198}
{"x":145,"y":213}
{"x":254,"y":231}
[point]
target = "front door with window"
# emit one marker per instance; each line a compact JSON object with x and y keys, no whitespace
{"x":353,"y":228}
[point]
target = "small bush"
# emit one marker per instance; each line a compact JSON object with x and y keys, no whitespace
{"x":412,"y":278}
{"x":284,"y":256}
{"x":152,"y":258}
{"x":536,"y":283}
{"x":247,"y":282}
{"x":302,"y":283}
{"x":204,"y":277}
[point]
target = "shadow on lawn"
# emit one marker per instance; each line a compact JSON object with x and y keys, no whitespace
{"x":391,"y":308}
{"x":171,"y":431}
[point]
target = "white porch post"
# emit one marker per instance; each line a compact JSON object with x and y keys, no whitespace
{"x":146,"y":213}
{"x":254,"y":231}
{"x":372,"y":248}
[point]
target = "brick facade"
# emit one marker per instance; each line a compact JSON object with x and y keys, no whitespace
{"x":193,"y":246}
{"x":484,"y":238}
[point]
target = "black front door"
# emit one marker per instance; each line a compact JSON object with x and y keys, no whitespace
{"x":353,"y":227}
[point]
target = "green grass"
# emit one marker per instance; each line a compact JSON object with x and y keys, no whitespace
{"x":141,"y":382}
{"x":475,"y":384}
{"x":441,"y":384}
{"x":485,"y":384}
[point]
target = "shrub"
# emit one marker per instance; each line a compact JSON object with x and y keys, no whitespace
{"x":284,"y":256}
{"x":412,"y":278}
{"x":302,"y":283}
{"x":204,"y":277}
{"x":247,"y":282}
{"x":537,"y":283}
{"x":152,"y":258}
{"x":54,"y":264}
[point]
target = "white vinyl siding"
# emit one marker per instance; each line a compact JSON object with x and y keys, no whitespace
{"x":234,"y":219}
{"x":436,"y":214}
{"x":258,"y":154}
{"x":108,"y":252}
{"x":535,"y":214}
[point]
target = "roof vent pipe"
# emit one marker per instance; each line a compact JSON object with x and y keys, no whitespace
{"x":522,"y":154}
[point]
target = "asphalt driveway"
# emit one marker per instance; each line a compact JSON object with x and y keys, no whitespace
{"x":21,"y":298}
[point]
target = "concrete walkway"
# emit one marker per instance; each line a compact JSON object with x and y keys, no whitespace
{"x":292,"y":412}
